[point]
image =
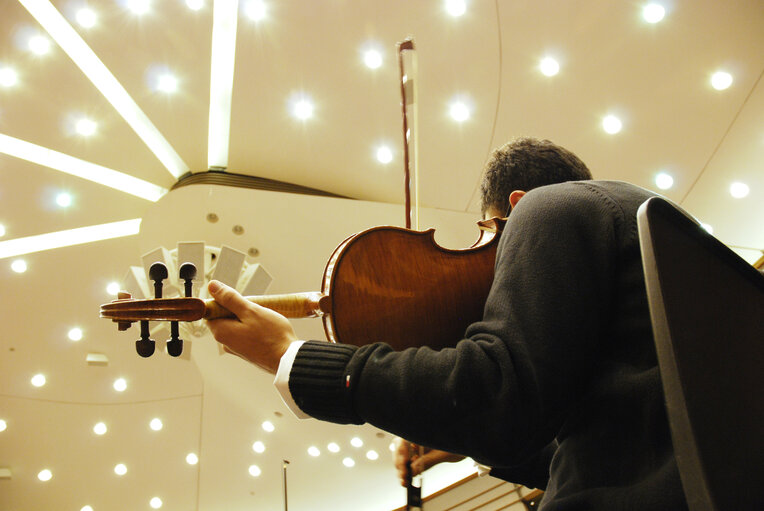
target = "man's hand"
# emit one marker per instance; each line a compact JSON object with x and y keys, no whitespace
{"x":258,"y":335}
{"x":406,"y":451}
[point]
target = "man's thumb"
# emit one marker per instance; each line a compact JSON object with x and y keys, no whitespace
{"x":228,"y":297}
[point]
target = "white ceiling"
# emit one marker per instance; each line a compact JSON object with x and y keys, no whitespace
{"x":655,"y":77}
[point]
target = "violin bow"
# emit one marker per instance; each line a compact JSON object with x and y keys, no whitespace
{"x":409,"y":97}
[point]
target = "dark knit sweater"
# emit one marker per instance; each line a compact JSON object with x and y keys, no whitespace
{"x":562,"y":367}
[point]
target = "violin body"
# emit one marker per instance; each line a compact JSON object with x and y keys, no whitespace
{"x":399,"y":286}
{"x":383,"y":284}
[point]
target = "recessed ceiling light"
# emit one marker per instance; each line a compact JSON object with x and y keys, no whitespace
{"x":3,"y":425}
{"x":139,"y":6}
{"x":268,"y":426}
{"x":255,"y":10}
{"x":64,"y":200}
{"x":120,"y":384}
{"x":611,"y":124}
{"x":384,"y":155}
{"x":155,"y":502}
{"x":100,"y":429}
{"x":84,"y":57}
{"x":86,"y":508}
{"x":356,"y":442}
{"x":372,"y":59}
{"x":167,"y":83}
{"x":120,"y":469}
{"x":38,"y":380}
{"x":372,"y":455}
{"x":391,"y":446}
{"x":113,"y":288}
{"x":739,"y":190}
{"x":313,"y":451}
{"x":459,"y":111}
{"x":333,"y":447}
{"x":653,"y":13}
{"x":75,"y":334}
{"x":254,"y":470}
{"x":348,"y":462}
{"x":192,"y":459}
{"x":258,"y":447}
{"x":664,"y":181}
{"x":456,"y":7}
{"x":302,"y":108}
{"x":85,"y":127}
{"x":156,"y":424}
{"x":86,"y":17}
{"x":8,"y":77}
{"x":549,"y":66}
{"x":195,"y":4}
{"x":721,"y":80}
{"x":39,"y":44}
{"x":19,"y":266}
{"x":45,"y":475}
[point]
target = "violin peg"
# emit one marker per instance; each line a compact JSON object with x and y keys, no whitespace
{"x":124,"y":295}
{"x":187,"y":272}
{"x":145,"y":348}
{"x":158,"y":272}
{"x":175,"y":344}
{"x":175,"y":347}
{"x":145,"y":345}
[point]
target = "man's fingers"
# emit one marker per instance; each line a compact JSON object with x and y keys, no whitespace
{"x":229,"y":298}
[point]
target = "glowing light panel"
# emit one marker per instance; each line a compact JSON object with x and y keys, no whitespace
{"x":664,"y":181}
{"x":721,"y":80}
{"x":739,"y":190}
{"x":612,"y":124}
{"x":456,"y":7}
{"x":74,"y":46}
{"x":256,"y":10}
{"x":80,"y":168}
{"x":653,"y":13}
{"x":459,"y":111}
{"x":69,"y":237}
{"x":384,"y":155}
{"x":8,"y":77}
{"x":86,"y":17}
{"x":221,"y":80}
{"x":549,"y":66}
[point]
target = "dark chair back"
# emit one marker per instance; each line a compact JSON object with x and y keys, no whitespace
{"x":707,"y":310}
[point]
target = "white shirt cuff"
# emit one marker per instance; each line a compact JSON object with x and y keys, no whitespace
{"x":282,"y":379}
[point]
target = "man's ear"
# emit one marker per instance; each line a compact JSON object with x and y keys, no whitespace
{"x":515,"y":197}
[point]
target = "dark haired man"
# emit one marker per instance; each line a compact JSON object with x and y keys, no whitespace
{"x":562,"y":366}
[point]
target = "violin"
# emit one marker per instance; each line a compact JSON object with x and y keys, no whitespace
{"x":382,"y":284}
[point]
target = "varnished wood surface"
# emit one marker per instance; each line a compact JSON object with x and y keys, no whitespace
{"x":398,"y":286}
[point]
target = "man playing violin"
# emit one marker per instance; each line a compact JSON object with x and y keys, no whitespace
{"x":557,"y":387}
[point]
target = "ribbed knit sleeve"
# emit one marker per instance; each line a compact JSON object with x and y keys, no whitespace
{"x":320,"y":384}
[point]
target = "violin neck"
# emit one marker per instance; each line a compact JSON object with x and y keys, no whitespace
{"x":294,"y":305}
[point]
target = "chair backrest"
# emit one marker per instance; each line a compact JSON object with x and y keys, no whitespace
{"x":707,"y":311}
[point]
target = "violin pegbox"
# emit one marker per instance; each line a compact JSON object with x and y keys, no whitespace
{"x":145,"y":345}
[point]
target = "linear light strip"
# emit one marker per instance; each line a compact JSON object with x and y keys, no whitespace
{"x":69,"y":237}
{"x":80,"y":168}
{"x":66,"y":37}
{"x":221,"y":80}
